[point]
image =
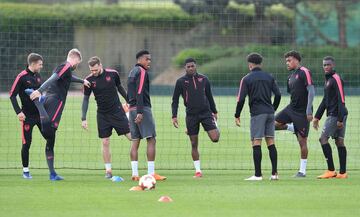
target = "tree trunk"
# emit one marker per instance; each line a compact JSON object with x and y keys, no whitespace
{"x":341,"y":17}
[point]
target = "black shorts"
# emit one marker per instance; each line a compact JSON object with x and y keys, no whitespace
{"x":301,"y":124}
{"x":108,"y":121}
{"x":207,"y":120}
{"x":27,"y":127}
{"x":54,"y":107}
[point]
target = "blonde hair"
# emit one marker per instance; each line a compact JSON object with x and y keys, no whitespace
{"x":74,"y":53}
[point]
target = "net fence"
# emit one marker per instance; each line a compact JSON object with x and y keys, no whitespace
{"x":218,"y":34}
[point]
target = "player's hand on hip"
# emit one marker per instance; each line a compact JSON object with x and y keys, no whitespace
{"x":138,"y":118}
{"x":237,"y":122}
{"x":21,"y":116}
{"x":175,"y":122}
{"x":309,"y":118}
{"x":316,"y":123}
{"x":84,"y":125}
{"x":215,"y":116}
{"x":87,"y":83}
{"x":340,"y":125}
{"x":35,"y":94}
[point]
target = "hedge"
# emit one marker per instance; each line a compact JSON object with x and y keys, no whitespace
{"x":226,"y":66}
{"x":97,"y":14}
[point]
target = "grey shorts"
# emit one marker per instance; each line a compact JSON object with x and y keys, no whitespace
{"x":144,"y":130}
{"x":262,"y":125}
{"x":330,"y":128}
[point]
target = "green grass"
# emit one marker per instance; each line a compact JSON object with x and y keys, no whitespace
{"x":219,"y":193}
{"x":222,"y":191}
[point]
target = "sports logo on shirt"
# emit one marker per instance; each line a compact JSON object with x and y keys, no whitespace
{"x":38,"y":80}
{"x":297,"y":77}
{"x":200,"y":79}
{"x":108,"y":78}
{"x":93,"y":84}
{"x":26,"y":127}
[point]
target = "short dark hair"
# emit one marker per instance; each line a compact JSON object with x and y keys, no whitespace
{"x":254,"y":58}
{"x":293,"y":53}
{"x":329,"y":58}
{"x":94,"y":61}
{"x":189,"y":60}
{"x":34,"y":57}
{"x":141,"y":53}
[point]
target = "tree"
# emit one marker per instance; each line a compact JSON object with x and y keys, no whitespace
{"x":341,"y":7}
{"x":110,"y":2}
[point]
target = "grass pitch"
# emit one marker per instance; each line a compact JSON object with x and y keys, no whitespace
{"x":221,"y":192}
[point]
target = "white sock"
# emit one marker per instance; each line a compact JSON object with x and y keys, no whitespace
{"x":197,"y":166}
{"x":108,"y":166}
{"x":26,"y":169}
{"x":151,"y":167}
{"x":303,"y":163}
{"x":290,"y":127}
{"x":134,"y":167}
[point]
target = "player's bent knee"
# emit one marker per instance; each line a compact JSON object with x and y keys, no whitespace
{"x":323,"y":140}
{"x":339,"y":142}
{"x":106,"y":141}
{"x":215,"y":138}
{"x":278,"y":124}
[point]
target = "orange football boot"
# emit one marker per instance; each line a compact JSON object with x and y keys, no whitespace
{"x":158,"y":177}
{"x":342,"y":176}
{"x":328,"y":174}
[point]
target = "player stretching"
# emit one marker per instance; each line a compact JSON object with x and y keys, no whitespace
{"x":56,"y":89}
{"x":28,"y":114}
{"x":299,"y":111}
{"x":105,"y":83}
{"x":335,"y":124}
{"x":259,"y":85}
{"x":200,"y":108}
{"x":142,"y":125}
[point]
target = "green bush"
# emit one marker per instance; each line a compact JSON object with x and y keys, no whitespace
{"x":226,"y":66}
{"x":96,"y":14}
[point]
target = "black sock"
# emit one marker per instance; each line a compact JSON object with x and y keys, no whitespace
{"x":342,"y":158}
{"x":25,"y":155}
{"x":328,"y":156}
{"x":273,"y":158}
{"x":49,"y":153}
{"x":257,"y":155}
